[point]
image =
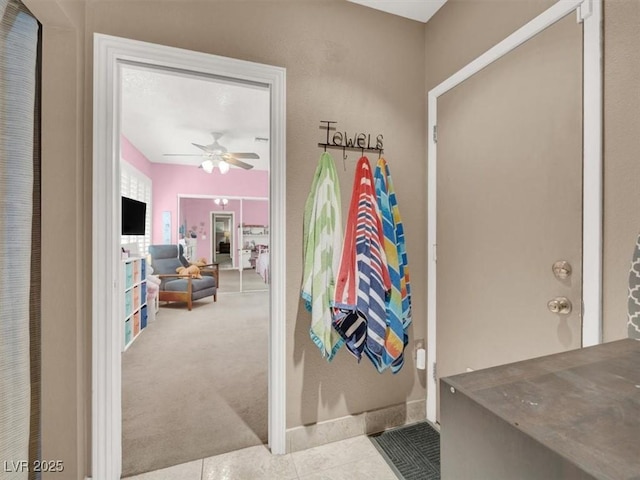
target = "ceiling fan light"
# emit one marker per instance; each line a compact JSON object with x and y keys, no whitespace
{"x":223,"y":166}
{"x":207,"y":166}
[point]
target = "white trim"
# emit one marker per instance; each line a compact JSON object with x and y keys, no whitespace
{"x":592,"y":164}
{"x":592,"y":244}
{"x":212,"y":231}
{"x":431,"y":258}
{"x":109,"y":54}
{"x":230,"y":197}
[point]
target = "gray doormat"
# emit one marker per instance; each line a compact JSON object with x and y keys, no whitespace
{"x":413,"y":452}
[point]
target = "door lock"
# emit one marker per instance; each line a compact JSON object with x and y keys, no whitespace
{"x":561,"y":305}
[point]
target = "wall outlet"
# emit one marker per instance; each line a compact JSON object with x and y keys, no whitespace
{"x":417,"y":345}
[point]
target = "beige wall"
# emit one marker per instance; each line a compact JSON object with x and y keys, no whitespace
{"x":66,"y":358}
{"x":340,"y":66}
{"x":462,"y":30}
{"x":344,"y":62}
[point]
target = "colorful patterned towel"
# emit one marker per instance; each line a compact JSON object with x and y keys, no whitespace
{"x":398,"y":304}
{"x":322,"y":243}
{"x":363,"y":279}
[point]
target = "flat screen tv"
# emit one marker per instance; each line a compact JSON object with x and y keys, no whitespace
{"x":134,"y":214}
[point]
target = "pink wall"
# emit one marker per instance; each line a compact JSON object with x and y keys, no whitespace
{"x":194,"y":211}
{"x":255,"y":212}
{"x":135,"y":157}
{"x":169,"y":181}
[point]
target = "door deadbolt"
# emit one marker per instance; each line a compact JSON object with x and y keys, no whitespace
{"x":561,"y":305}
{"x":561,"y":269}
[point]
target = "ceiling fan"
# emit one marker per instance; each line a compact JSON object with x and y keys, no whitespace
{"x":217,"y":155}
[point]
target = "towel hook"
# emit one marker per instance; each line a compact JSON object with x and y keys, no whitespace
{"x":344,"y":158}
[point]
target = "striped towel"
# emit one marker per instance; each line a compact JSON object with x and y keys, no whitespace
{"x":322,"y":242}
{"x":399,"y":301}
{"x":363,"y":279}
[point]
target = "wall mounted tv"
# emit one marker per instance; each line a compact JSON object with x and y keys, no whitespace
{"x":134,"y":214}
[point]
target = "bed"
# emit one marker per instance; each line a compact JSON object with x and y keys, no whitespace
{"x":262,"y":262}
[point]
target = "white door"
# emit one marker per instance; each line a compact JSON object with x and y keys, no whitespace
{"x":509,"y":205}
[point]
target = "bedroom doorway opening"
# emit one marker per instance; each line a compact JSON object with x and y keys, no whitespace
{"x":159,"y":374}
{"x":112,"y":56}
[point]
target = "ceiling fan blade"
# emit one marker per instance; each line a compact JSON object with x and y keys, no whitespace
{"x":204,"y":148}
{"x":255,"y":156}
{"x":237,"y":163}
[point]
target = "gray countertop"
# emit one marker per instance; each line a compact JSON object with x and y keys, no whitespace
{"x":583,"y":404}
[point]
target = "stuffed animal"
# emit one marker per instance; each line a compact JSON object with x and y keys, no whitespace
{"x":153,"y":283}
{"x":201,"y":262}
{"x":191,"y":271}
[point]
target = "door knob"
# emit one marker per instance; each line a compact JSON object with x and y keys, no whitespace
{"x":561,"y":305}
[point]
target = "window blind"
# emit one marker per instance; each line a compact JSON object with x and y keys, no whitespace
{"x":135,"y":184}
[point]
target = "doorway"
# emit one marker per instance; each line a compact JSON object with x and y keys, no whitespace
{"x":111,"y":53}
{"x":223,"y":227}
{"x":497,"y":257}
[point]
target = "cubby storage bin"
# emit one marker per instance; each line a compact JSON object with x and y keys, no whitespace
{"x":143,"y":292}
{"x":128,"y":303}
{"x":136,"y":297}
{"x":136,"y":323}
{"x":128,"y":275}
{"x":135,"y":313}
{"x":136,"y":271}
{"x":143,"y":317}
{"x":128,"y":332}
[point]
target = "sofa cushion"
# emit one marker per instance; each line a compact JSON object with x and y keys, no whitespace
{"x":197,"y":284}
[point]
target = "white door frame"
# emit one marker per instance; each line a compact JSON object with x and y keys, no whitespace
{"x":110,"y":53}
{"x":590,"y":13}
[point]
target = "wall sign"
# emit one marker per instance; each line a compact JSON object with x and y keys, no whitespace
{"x":354,"y":141}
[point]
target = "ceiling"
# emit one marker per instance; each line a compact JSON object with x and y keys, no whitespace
{"x":164,"y":112}
{"x":420,"y":10}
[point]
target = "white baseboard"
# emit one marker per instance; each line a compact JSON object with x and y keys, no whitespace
{"x":366,"y":423}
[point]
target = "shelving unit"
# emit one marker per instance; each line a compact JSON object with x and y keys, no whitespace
{"x":253,"y":235}
{"x":135,"y":311}
{"x":190,"y":245}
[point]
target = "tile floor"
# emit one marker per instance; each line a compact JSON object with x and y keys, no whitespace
{"x":352,"y":459}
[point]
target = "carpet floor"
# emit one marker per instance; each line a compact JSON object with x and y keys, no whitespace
{"x":194,"y":384}
{"x":413,"y":451}
{"x":230,"y":281}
